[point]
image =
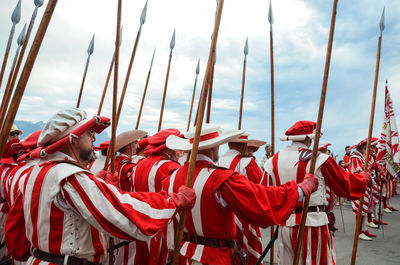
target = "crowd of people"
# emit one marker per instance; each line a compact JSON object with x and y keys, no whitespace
{"x":64,"y":202}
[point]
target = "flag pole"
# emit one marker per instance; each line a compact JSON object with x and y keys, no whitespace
{"x":317,"y":130}
{"x":128,"y":73}
{"x":245,"y":51}
{"x":8,"y":92}
{"x":193,"y":94}
{"x":202,"y":103}
{"x":271,"y":52}
{"x":371,"y":125}
{"x":108,"y":78}
{"x":145,"y":91}
{"x":171,"y":46}
{"x":11,"y":81}
{"x":90,"y":50}
{"x":15,"y":18}
{"x":26,"y":72}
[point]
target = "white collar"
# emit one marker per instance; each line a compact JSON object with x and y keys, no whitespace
{"x":298,"y":145}
{"x":204,"y":158}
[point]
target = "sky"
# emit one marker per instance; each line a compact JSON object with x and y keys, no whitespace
{"x":300,"y":29}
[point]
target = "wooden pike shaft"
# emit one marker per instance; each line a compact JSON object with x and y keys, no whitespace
{"x":271,"y":51}
{"x":191,"y":104}
{"x":11,"y":81}
{"x":26,"y":71}
{"x":143,"y":98}
{"x":128,"y":74}
{"x":242,"y":94}
{"x":210,"y":91}
{"x":8,"y":92}
{"x":106,"y":85}
{"x":202,"y":103}
{"x":318,"y":129}
{"x":111,"y":150}
{"x":3,"y":66}
{"x":371,"y":126}
{"x":83,"y":81}
{"x":165,"y":92}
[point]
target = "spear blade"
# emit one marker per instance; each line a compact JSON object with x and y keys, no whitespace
{"x":270,"y":14}
{"x":38,"y":3}
{"x":198,"y":67}
{"x":91,"y":46}
{"x":152,"y":59}
{"x":246,"y":47}
{"x":21,"y":36}
{"x":16,"y":15}
{"x":382,"y":21}
{"x":143,"y":15}
{"x":172,"y":43}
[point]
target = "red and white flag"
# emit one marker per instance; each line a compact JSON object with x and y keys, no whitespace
{"x":388,"y":150}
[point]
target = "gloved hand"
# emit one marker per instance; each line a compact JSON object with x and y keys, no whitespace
{"x":109,"y":177}
{"x":309,"y":184}
{"x":184,"y":199}
{"x":367,"y":177}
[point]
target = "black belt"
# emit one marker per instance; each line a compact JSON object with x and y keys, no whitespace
{"x":211,"y":242}
{"x":59,"y":259}
{"x":311,"y":209}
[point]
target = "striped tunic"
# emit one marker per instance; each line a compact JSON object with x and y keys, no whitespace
{"x":357,"y":162}
{"x":68,"y":211}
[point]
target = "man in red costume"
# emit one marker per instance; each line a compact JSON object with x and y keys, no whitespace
{"x":291,"y":164}
{"x":64,"y":212}
{"x":222,"y":194}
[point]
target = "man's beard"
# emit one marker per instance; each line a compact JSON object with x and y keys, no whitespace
{"x":87,"y":156}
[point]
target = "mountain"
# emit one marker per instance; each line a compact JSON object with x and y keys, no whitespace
{"x":28,"y":127}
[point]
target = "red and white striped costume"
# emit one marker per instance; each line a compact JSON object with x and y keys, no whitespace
{"x":248,"y":235}
{"x":357,"y":162}
{"x":292,"y":163}
{"x":97,"y":165}
{"x":67,"y":211}
{"x":147,"y":176}
{"x":222,"y":194}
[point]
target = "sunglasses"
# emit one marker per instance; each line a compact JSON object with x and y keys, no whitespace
{"x":15,"y":133}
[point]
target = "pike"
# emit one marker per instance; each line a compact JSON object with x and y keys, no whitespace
{"x":108,"y":78}
{"x":371,"y":125}
{"x":26,"y":72}
{"x":128,"y":73}
{"x":8,"y":92}
{"x":171,"y":46}
{"x":246,"y":52}
{"x":111,"y":149}
{"x":11,"y":82}
{"x":209,"y":99}
{"x":202,"y":103}
{"x":145,"y":91}
{"x":271,"y":52}
{"x":90,"y":50}
{"x":194,"y":92}
{"x":15,"y":18}
{"x":318,"y":129}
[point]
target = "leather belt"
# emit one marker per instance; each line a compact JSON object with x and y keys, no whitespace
{"x":211,"y":242}
{"x":59,"y":259}
{"x":311,"y":209}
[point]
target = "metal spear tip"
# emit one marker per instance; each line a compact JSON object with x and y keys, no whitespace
{"x":382,"y":22}
{"x":152,"y":58}
{"x":198,"y":67}
{"x":143,"y":15}
{"x":91,"y":46}
{"x":21,"y":36}
{"x":16,"y":15}
{"x":270,"y":14}
{"x":172,"y":43}
{"x":39,"y":3}
{"x":246,"y":46}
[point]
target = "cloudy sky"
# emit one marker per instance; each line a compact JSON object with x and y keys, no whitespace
{"x":300,"y":38}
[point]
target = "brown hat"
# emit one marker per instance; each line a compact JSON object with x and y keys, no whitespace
{"x":128,"y":137}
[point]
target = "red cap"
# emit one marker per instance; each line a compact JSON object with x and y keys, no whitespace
{"x":302,"y":128}
{"x":161,"y":136}
{"x":103,"y":146}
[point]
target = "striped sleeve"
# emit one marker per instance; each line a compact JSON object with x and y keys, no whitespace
{"x":356,"y":164}
{"x":124,"y":215}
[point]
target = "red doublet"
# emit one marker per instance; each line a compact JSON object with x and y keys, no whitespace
{"x":221,"y":194}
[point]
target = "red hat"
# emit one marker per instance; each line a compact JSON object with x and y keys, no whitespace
{"x":143,"y":143}
{"x":9,"y":152}
{"x":156,"y":143}
{"x":300,"y":131}
{"x":103,"y":146}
